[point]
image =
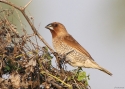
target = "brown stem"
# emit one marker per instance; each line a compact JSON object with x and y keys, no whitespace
{"x":28,"y":20}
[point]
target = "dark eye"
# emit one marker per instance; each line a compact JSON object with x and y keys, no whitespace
{"x":55,"y":25}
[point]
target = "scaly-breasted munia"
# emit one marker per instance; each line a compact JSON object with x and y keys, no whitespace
{"x":63,"y":43}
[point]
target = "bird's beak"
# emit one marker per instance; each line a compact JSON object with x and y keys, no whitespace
{"x":49,"y":26}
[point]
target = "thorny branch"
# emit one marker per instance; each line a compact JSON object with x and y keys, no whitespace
{"x":28,"y":20}
{"x":36,"y":64}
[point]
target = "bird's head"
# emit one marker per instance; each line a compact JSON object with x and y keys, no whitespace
{"x":57,"y":29}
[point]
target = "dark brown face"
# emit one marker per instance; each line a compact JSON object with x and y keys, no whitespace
{"x":56,"y":29}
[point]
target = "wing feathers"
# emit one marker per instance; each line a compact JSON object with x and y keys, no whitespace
{"x":68,"y":39}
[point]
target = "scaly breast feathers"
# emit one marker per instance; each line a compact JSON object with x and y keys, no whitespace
{"x":74,"y":58}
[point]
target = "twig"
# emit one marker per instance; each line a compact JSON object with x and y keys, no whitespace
{"x":70,"y":87}
{"x":64,"y":79}
{"x":27,"y":4}
{"x":56,"y":85}
{"x":28,"y":20}
{"x":76,"y":84}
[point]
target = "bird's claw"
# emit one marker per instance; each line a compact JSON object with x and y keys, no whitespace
{"x":54,"y":53}
{"x":62,"y":56}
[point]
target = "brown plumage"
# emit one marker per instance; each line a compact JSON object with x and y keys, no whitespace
{"x":63,"y":43}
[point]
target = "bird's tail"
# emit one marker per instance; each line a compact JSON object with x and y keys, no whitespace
{"x":93,"y":64}
{"x":104,"y":70}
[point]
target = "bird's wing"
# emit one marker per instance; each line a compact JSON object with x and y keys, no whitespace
{"x":73,"y":43}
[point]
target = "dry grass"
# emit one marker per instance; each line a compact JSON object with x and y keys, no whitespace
{"x":26,"y":65}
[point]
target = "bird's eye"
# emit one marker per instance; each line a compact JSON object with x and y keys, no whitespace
{"x":55,"y":25}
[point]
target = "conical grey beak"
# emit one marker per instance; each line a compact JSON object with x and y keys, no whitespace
{"x":49,"y":26}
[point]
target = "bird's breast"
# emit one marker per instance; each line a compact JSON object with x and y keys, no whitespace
{"x":75,"y":58}
{"x":61,"y":47}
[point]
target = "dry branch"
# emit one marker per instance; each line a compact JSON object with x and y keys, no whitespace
{"x":28,"y":20}
{"x":27,"y":67}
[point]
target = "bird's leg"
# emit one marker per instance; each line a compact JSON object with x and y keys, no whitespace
{"x":61,"y":58}
{"x":57,"y":59}
{"x":64,"y":55}
{"x":54,"y":53}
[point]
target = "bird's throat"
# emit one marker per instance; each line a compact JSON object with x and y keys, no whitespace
{"x":54,"y":34}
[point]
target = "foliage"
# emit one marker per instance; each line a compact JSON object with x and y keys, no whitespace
{"x":28,"y":65}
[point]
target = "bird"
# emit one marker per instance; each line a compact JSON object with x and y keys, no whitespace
{"x":63,"y":43}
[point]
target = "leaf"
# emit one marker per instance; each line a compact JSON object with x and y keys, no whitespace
{"x":31,"y":62}
{"x":7,"y":68}
{"x":42,"y":72}
{"x":69,"y":78}
{"x":88,"y":77}
{"x":15,"y":80}
{"x":81,"y":76}
{"x":49,"y":57}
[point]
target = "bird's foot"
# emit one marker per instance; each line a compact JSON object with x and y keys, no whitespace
{"x":54,"y":53}
{"x":61,"y":56}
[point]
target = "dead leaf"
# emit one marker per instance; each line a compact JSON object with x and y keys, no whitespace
{"x":1,"y":80}
{"x":32,"y":62}
{"x":15,"y":80}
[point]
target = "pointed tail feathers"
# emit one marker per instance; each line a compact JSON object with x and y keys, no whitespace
{"x":106,"y":71}
{"x":93,"y":64}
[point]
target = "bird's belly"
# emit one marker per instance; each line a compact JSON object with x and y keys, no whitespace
{"x":62,"y":48}
{"x":75,"y":58}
